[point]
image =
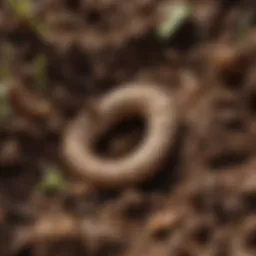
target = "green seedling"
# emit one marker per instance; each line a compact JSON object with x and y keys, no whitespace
{"x":22,"y":10}
{"x":178,"y":15}
{"x":52,"y":182}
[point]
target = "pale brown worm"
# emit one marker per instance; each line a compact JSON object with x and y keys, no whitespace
{"x":149,"y":101}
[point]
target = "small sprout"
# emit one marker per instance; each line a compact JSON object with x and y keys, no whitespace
{"x":179,"y":14}
{"x":39,"y":64}
{"x":22,"y":10}
{"x":52,"y":182}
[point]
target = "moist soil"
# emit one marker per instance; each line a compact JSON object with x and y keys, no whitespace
{"x":59,"y":58}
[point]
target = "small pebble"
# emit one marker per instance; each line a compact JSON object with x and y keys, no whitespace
{"x":163,"y":222}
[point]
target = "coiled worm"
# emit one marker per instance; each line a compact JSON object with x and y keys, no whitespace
{"x":150,"y":102}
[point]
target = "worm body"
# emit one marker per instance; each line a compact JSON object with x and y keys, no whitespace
{"x":146,"y":100}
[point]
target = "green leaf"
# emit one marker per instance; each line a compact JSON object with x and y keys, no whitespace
{"x":178,"y":15}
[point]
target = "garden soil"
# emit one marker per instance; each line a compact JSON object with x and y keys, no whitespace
{"x":58,"y":58}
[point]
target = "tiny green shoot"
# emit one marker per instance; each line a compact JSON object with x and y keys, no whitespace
{"x":52,"y":182}
{"x":179,"y":14}
{"x":22,"y":10}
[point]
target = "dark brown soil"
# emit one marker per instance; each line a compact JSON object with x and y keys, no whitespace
{"x":203,"y":201}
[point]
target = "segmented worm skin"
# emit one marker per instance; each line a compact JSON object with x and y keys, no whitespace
{"x":146,"y":100}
